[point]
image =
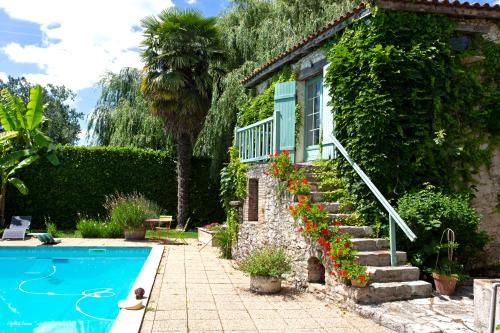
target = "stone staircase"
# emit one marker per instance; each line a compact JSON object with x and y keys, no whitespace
{"x":386,"y":283}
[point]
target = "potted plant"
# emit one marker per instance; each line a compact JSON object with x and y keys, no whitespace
{"x":130,"y":212}
{"x":266,"y":267}
{"x":447,"y":272}
{"x":300,"y":188}
{"x":446,"y":275}
{"x":358,"y":275}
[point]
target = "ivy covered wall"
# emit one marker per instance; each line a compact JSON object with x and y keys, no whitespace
{"x":410,"y":107}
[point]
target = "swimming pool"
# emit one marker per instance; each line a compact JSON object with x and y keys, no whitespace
{"x":65,"y":289}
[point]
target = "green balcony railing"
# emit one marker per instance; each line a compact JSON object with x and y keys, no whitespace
{"x":255,"y":141}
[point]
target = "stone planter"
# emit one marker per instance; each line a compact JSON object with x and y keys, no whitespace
{"x":482,"y":304}
{"x":445,"y":285}
{"x":135,"y":234}
{"x":265,"y":284}
{"x":207,"y":236}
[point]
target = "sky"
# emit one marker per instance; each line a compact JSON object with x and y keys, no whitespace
{"x":73,"y":42}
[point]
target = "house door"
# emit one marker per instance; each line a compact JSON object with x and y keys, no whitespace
{"x":312,"y":121}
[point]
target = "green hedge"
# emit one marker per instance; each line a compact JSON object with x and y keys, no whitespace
{"x":87,"y":174}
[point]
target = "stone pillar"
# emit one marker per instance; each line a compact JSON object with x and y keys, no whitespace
{"x":482,"y":301}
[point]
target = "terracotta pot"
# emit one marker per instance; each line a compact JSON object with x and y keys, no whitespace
{"x":358,"y":284}
{"x":265,"y":284}
{"x":301,"y":197}
{"x":135,"y":234}
{"x":445,"y":285}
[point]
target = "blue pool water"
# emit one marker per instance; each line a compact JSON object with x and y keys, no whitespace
{"x":65,"y":289}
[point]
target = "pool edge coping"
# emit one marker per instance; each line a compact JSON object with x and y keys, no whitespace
{"x":131,"y":321}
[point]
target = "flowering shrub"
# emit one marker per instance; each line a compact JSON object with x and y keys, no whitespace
{"x":280,"y":165}
{"x":312,"y":220}
{"x":211,"y":225}
{"x":298,"y":187}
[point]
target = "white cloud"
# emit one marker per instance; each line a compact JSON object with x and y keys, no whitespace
{"x":191,"y":2}
{"x":81,"y":39}
{"x":3,"y":77}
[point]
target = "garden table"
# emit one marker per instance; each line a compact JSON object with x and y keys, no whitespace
{"x":153,"y":223}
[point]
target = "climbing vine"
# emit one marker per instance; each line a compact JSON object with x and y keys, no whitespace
{"x":409,"y":107}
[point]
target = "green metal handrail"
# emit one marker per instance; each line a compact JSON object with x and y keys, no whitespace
{"x":394,"y":217}
{"x":255,"y":141}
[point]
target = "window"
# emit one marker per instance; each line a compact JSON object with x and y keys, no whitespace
{"x":313,"y":111}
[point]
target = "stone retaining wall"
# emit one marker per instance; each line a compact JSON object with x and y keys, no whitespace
{"x":274,"y":227}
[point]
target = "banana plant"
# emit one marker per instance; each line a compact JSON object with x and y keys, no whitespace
{"x":23,"y":141}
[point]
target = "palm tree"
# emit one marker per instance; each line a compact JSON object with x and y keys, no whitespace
{"x":181,"y":55}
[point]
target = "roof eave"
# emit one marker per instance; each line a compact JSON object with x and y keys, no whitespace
{"x":304,"y":49}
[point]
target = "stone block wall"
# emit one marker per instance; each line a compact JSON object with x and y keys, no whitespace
{"x":274,"y":227}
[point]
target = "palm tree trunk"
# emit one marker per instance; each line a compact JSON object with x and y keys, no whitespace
{"x":184,"y":152}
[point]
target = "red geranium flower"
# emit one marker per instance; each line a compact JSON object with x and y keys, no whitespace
{"x":341,"y":252}
{"x":321,"y":206}
{"x":333,"y":258}
{"x":346,"y":244}
{"x":325,"y":232}
{"x":337,"y":238}
{"x":305,"y":219}
{"x":338,"y":223}
{"x":362,"y":278}
{"x":286,"y":152}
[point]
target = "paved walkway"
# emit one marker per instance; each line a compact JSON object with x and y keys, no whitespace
{"x":198,"y":292}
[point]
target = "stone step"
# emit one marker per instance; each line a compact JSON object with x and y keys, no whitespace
{"x":379,"y":258}
{"x":358,"y":232}
{"x":317,"y":196}
{"x":370,"y":244}
{"x":331,"y":207}
{"x":379,"y":292}
{"x":337,"y":216}
{"x":318,"y":187}
{"x":393,"y":274}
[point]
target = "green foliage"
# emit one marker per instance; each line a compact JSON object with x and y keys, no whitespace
{"x":121,"y":116}
{"x":252,"y":32}
{"x":428,"y":213}
{"x":23,"y":141}
{"x":92,"y":228}
{"x":131,"y":210}
{"x":233,"y":181}
{"x":224,"y":239}
{"x":87,"y":175}
{"x":406,"y":108}
{"x":257,"y":108}
{"x":233,"y":185}
{"x":52,"y":229}
{"x":62,"y":120}
{"x":268,"y":261}
{"x":261,"y":106}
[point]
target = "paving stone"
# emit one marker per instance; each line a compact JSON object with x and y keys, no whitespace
{"x":205,"y":325}
{"x":198,"y":314}
{"x":243,"y":325}
{"x":171,"y":314}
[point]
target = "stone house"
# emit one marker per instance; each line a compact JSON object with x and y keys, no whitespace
{"x":264,"y":217}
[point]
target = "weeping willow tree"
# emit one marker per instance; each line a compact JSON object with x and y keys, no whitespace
{"x":254,"y":31}
{"x":121,"y":116}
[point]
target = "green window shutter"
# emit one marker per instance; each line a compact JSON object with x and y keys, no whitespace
{"x":284,"y":117}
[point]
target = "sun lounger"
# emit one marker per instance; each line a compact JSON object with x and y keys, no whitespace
{"x":46,"y":238}
{"x":17,"y":228}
